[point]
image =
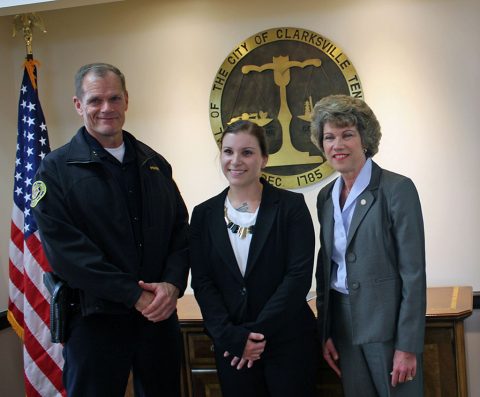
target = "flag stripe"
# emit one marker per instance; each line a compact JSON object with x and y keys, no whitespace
{"x":43,"y":361}
{"x":36,"y":251}
{"x":36,"y":301}
{"x":38,"y":387}
{"x":34,"y":324}
{"x":16,"y":236}
{"x":29,"y":389}
{"x":16,"y":278}
{"x":18,"y":221}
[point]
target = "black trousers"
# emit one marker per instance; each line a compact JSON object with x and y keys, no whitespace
{"x":288,"y":368}
{"x":102,"y":349}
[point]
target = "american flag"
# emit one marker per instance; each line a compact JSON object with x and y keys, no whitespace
{"x":28,"y":305}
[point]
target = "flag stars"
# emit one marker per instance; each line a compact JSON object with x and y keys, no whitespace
{"x":32,"y":147}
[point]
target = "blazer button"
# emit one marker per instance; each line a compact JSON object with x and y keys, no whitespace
{"x":351,"y":257}
{"x":355,"y":285}
{"x":243,"y":291}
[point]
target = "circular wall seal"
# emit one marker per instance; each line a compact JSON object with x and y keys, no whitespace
{"x":274,"y":78}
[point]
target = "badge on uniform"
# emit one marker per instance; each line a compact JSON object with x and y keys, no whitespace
{"x":39,"y":189}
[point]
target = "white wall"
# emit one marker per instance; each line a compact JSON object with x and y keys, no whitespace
{"x":11,"y":365}
{"x":8,"y":128}
{"x":418,"y":61}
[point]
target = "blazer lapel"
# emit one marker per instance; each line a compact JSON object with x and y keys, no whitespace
{"x":219,"y":232}
{"x":364,"y":202}
{"x":327,"y":225}
{"x":266,"y":215}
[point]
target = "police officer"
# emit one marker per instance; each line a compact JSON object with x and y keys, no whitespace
{"x":114,"y":228}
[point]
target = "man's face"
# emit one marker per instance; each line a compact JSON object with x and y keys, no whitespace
{"x":102,"y":106}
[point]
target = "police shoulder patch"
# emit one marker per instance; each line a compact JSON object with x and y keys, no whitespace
{"x":39,"y":189}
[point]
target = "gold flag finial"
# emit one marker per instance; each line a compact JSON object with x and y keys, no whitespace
{"x":24,"y":23}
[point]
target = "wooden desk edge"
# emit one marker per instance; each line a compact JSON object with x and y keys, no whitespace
{"x":188,"y":310}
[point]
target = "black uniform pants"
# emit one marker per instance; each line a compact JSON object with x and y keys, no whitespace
{"x":102,"y":349}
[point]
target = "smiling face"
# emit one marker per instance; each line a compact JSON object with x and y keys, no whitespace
{"x":102,"y":106}
{"x":343,"y":148}
{"x":241,"y":159}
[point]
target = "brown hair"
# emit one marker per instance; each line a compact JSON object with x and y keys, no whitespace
{"x":250,"y":128}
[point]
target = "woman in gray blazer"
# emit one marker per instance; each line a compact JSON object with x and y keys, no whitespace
{"x":252,"y":252}
{"x":370,"y":274}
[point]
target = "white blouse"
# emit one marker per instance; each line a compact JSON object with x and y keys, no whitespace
{"x":241,"y":246}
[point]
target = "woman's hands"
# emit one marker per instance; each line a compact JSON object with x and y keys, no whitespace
{"x":331,"y":356}
{"x":404,"y":367}
{"x":404,"y":363}
{"x":253,"y":350}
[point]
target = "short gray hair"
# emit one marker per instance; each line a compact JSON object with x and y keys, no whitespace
{"x":343,"y":111}
{"x":98,"y":69}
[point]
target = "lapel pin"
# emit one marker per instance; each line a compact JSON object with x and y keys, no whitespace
{"x":363,"y":201}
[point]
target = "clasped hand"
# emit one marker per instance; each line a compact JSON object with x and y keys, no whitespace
{"x":253,"y":350}
{"x":157,"y":301}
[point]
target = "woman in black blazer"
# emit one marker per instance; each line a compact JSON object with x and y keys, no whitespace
{"x":252,"y":249}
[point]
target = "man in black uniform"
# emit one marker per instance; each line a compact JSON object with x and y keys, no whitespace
{"x":114,"y":227}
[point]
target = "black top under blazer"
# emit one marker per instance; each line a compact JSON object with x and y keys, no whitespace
{"x":270,"y":298}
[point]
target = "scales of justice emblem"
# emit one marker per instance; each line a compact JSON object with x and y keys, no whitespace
{"x":274,"y":78}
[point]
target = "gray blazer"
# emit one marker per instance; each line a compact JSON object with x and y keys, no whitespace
{"x":385,"y":263}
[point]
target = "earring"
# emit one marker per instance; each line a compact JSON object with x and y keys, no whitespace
{"x":364,"y":150}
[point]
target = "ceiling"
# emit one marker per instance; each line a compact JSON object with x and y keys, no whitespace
{"x":12,"y":7}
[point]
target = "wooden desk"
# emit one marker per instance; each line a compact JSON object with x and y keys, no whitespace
{"x":445,"y":367}
{"x":444,"y":356}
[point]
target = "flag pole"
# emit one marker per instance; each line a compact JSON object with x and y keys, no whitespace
{"x":25,"y":23}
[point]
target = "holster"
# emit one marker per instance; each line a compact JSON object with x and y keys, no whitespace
{"x":59,"y":306}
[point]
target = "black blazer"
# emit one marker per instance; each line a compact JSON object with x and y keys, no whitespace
{"x":270,"y":298}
